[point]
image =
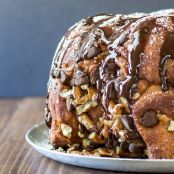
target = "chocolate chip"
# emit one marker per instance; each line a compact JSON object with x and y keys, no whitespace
{"x":55,"y":73}
{"x":84,"y":92}
{"x":69,"y":104}
{"x":64,"y":78}
{"x":131,"y":135}
{"x":48,"y":119}
{"x":128,"y":122}
{"x":115,"y":140}
{"x":109,"y":70}
{"x":149,"y":119}
{"x":135,"y":148}
{"x":112,"y":141}
{"x":55,"y":146}
{"x":133,"y":90}
{"x":89,"y":20}
{"x":109,"y":143}
{"x":94,"y":76}
{"x":82,"y":128}
{"x":124,"y":146}
{"x":80,"y":78}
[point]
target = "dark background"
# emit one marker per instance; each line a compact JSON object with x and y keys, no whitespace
{"x":30,"y":31}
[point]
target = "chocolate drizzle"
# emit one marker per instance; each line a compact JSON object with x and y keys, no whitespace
{"x":130,"y":33}
{"x":90,"y":48}
{"x":167,"y":53}
{"x":123,"y":85}
{"x":163,"y":73}
{"x":135,"y":50}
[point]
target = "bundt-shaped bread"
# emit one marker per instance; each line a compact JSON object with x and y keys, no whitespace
{"x":111,"y":87}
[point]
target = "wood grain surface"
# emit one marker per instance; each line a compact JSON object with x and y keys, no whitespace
{"x":18,"y":157}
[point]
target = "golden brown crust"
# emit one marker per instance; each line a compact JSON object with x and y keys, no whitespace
{"x":151,"y":58}
{"x":60,"y":114}
{"x":159,"y":140}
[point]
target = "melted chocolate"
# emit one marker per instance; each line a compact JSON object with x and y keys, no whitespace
{"x":127,"y":85}
{"x":135,"y":51}
{"x":109,"y":83}
{"x":123,"y":85}
{"x":163,"y":73}
{"x":109,"y":71}
{"x":90,"y":48}
{"x":167,"y":52}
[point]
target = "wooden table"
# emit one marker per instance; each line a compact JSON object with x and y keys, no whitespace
{"x":18,"y":157}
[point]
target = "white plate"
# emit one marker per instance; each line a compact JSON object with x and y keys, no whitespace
{"x":37,"y":137}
